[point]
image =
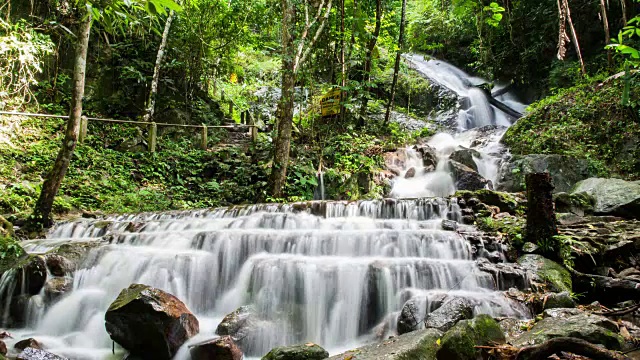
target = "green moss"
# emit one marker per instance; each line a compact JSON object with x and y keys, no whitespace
{"x":460,"y":342}
{"x":127,"y":295}
{"x":587,"y":121}
{"x":553,"y":273}
{"x":297,"y":352}
{"x":505,"y":201}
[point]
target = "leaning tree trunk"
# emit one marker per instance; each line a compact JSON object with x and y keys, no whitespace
{"x":42,"y":212}
{"x":151,"y":103}
{"x":285,"y":107}
{"x":541,"y":217}
{"x":396,"y":68}
{"x":368,"y":61}
{"x":607,"y":36}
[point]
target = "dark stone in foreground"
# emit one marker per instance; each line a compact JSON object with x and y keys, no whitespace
{"x":416,"y":345}
{"x":28,"y":343}
{"x":37,"y":354}
{"x":149,"y":322}
{"x":222,"y":348}
{"x":460,"y":342}
{"x":308,"y":351}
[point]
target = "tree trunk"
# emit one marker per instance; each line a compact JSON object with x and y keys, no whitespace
{"x":151,"y":103}
{"x":285,"y":107}
{"x":607,"y":36}
{"x":42,"y":212}
{"x":368,"y":61}
{"x":343,"y":64}
{"x":396,"y":68}
{"x":574,"y":37}
{"x":541,"y":218}
{"x":623,"y":5}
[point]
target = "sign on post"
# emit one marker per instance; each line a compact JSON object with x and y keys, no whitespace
{"x":330,"y":103}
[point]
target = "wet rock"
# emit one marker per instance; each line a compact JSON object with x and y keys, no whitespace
{"x":460,"y":342}
{"x":309,"y":351}
{"x":558,"y":300}
{"x":504,"y":201}
{"x":579,"y":203}
{"x":556,"y":276}
{"x":410,"y":173}
{"x":512,"y":328}
{"x":505,"y":275}
{"x":465,"y":157}
{"x":592,"y":328}
{"x":3,"y":348}
{"x":238,"y":323}
{"x":76,"y":252}
{"x":612,"y":196}
{"x":56,"y":287}
{"x":149,"y":322}
{"x":421,"y":344}
{"x":33,"y":272}
{"x":468,"y":219}
{"x":222,"y":348}
{"x":466,"y":178}
{"x":566,"y":171}
{"x":449,"y":225}
{"x":410,"y":318}
{"x":394,"y":161}
{"x":28,"y":343}
{"x":37,"y":354}
{"x":561,"y":313}
{"x":59,"y":265}
{"x":447,"y":315}
{"x":530,"y":248}
{"x":428,"y":153}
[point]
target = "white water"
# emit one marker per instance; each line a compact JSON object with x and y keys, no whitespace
{"x":328,"y":278}
{"x":476,"y":112}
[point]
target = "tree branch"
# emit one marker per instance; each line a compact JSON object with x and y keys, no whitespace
{"x":301,"y":58}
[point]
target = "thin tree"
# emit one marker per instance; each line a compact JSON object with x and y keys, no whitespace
{"x":564,"y":14}
{"x":368,"y":60}
{"x":396,"y":68}
{"x":42,"y":212}
{"x":607,"y":35}
{"x":151,"y":102}
{"x":292,"y":60}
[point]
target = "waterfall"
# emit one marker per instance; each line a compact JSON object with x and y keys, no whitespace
{"x":479,"y":126}
{"x":325,"y":272}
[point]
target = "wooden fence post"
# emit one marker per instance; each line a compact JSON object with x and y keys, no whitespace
{"x":153,"y":132}
{"x":253,"y":130}
{"x":204,"y":138}
{"x":83,"y":129}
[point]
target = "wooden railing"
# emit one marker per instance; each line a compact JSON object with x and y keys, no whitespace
{"x":153,"y":126}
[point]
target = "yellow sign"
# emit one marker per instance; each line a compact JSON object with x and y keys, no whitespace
{"x":330,"y":103}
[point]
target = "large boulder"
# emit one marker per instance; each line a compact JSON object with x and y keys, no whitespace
{"x":592,"y":328}
{"x":309,"y":351}
{"x":58,"y":265}
{"x":56,"y":287}
{"x":460,"y":342}
{"x":222,"y":348}
{"x":505,"y":275}
{"x":555,"y":275}
{"x":31,"y":275}
{"x":149,"y":322}
{"x":561,"y":300}
{"x":416,"y":345}
{"x":612,"y":196}
{"x":566,"y":171}
{"x":410,"y":318}
{"x":447,"y":315}
{"x":238,"y":324}
{"x":465,"y":156}
{"x":37,"y":354}
{"x":428,"y":153}
{"x":579,"y":203}
{"x":466,"y":178}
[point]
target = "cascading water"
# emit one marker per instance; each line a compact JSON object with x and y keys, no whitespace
{"x":479,"y":126}
{"x":326,"y":272}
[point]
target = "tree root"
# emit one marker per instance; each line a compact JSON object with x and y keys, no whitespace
{"x":567,"y":344}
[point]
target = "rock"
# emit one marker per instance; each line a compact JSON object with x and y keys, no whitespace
{"x":460,"y":342}
{"x":505,"y":275}
{"x":37,"y":354}
{"x":551,"y":272}
{"x":418,"y":345}
{"x":465,"y":157}
{"x":56,"y":287}
{"x":28,"y":343}
{"x":33,"y":271}
{"x":558,"y":300}
{"x":394,"y":161}
{"x":222,"y":348}
{"x":466,"y":178}
{"x":505,"y":202}
{"x":410,"y":318}
{"x":3,"y":348}
{"x":59,"y":265}
{"x":566,"y":171}
{"x":579,"y":203}
{"x":447,"y":315}
{"x":309,"y":351}
{"x":592,"y":328}
{"x":238,"y":323}
{"x":150,"y":322}
{"x":612,"y":196}
{"x":512,"y":328}
{"x":428,"y":153}
{"x":410,"y":173}
{"x":449,"y":225}
{"x":530,"y":248}
{"x":561,"y":313}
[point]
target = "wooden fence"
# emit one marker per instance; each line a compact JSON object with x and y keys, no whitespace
{"x":247,"y":119}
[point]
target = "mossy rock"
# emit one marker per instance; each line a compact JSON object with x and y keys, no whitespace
{"x":558,"y":278}
{"x":308,"y":351}
{"x":460,"y":342}
{"x":579,"y":203}
{"x":416,"y":345}
{"x":505,"y":201}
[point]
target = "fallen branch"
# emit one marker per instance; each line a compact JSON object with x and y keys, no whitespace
{"x":621,"y":312}
{"x":567,"y":344}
